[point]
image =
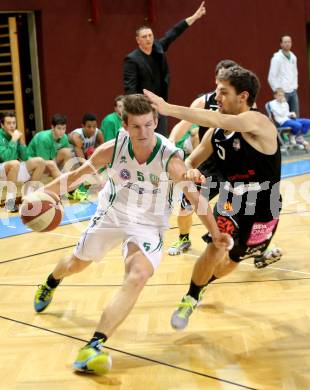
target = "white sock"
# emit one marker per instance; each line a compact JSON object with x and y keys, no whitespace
{"x":10,"y":195}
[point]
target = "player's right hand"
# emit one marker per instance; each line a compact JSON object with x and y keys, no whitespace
{"x":223,"y":240}
{"x":194,"y":175}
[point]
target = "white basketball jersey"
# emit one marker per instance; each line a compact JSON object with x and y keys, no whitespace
{"x":139,"y":193}
{"x":87,"y":142}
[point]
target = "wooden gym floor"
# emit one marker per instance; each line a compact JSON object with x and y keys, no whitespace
{"x":252,"y":330}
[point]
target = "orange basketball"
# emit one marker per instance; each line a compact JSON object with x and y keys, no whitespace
{"x":41,"y":211}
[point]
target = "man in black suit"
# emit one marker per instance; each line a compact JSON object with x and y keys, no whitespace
{"x":147,"y":67}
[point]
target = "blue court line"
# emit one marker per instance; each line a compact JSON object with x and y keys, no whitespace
{"x":13,"y":226}
{"x":295,"y":168}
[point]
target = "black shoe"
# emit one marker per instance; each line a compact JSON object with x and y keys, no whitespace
{"x":270,"y":256}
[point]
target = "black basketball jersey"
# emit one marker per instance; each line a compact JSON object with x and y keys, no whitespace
{"x":208,"y":167}
{"x":210,"y":104}
{"x":246,"y":170}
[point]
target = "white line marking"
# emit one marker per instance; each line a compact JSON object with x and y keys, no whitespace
{"x":280,"y":269}
{"x":268,"y":267}
{"x":62,"y":235}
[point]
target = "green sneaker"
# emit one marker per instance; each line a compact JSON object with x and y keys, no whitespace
{"x":78,"y":195}
{"x":180,"y":316}
{"x":93,"y":359}
{"x":182,"y":245}
{"x":43,"y":297}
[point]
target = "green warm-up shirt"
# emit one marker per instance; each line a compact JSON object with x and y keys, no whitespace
{"x":44,"y":145}
{"x":11,"y":150}
{"x":110,"y":126}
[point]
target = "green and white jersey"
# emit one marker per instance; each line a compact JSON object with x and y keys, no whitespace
{"x":87,"y":142}
{"x":139,"y":193}
{"x":185,"y":142}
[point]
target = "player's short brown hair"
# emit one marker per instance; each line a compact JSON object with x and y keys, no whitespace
{"x":242,"y":80}
{"x":137,"y":104}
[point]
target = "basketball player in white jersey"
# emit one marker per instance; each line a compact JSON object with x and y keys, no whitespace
{"x":133,"y":209}
{"x":86,"y":138}
{"x":84,"y":141}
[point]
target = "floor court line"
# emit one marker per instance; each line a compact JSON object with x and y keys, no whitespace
{"x":162,"y":284}
{"x":185,"y":254}
{"x":280,"y":269}
{"x":131,"y":354}
{"x":268,"y":267}
{"x":36,"y":254}
{"x":62,"y":235}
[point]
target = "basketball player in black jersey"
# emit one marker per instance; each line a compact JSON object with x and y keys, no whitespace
{"x":247,"y":155}
{"x":208,"y":169}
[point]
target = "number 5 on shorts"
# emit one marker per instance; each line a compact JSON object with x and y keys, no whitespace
{"x":147,"y":246}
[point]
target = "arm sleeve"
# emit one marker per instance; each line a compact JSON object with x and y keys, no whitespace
{"x":8,"y":151}
{"x":172,"y":34}
{"x":273,"y":73}
{"x":130,"y":76}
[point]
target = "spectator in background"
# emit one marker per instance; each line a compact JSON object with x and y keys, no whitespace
{"x":113,"y":122}
{"x":86,"y":138}
{"x":8,"y":178}
{"x":147,"y":67}
{"x":12,"y":147}
{"x":84,"y":141}
{"x":52,"y":145}
{"x":286,"y":118}
{"x":283,"y":73}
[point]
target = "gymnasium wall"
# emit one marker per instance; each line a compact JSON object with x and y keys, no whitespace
{"x":81,"y":62}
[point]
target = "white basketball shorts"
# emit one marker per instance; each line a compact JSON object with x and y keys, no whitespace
{"x":105,"y":232}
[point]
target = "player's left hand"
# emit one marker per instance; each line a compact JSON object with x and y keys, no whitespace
{"x":157,"y":102}
{"x":223,"y":240}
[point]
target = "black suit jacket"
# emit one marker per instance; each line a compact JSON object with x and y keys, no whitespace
{"x":137,"y":74}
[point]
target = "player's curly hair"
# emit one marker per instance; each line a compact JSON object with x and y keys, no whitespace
{"x":137,"y":104}
{"x":242,"y":80}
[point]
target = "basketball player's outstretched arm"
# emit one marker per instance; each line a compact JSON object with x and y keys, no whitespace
{"x":247,"y":122}
{"x":101,"y":158}
{"x":177,"y":173}
{"x":182,"y":127}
